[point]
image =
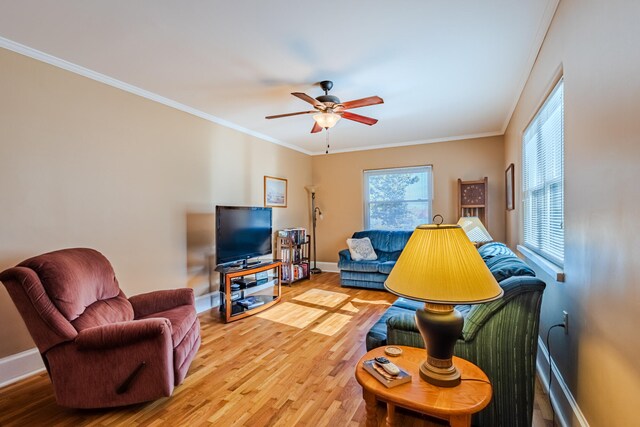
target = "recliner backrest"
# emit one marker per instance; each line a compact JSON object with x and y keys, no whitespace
{"x":61,"y":293}
{"x":74,"y":279}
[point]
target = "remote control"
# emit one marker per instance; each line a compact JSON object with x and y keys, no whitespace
{"x":387,"y":365}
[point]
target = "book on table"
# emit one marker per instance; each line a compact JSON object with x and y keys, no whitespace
{"x":383,"y":376}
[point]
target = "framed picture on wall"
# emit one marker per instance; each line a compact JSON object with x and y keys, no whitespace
{"x":509,"y":188}
{"x":275,"y":192}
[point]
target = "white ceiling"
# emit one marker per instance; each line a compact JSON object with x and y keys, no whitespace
{"x":445,"y":69}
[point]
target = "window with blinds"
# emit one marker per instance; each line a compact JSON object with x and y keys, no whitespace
{"x":397,"y":199}
{"x":543,"y":179}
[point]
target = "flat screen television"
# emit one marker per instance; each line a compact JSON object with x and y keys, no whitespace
{"x":242,"y":233}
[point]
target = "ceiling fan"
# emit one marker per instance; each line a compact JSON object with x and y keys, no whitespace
{"x":329,"y":109}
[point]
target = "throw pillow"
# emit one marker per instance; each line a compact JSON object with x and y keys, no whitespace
{"x":361,"y":249}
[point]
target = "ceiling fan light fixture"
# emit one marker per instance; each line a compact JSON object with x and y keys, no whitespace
{"x":326,"y":119}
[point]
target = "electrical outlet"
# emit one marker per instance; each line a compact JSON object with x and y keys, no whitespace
{"x":565,"y":321}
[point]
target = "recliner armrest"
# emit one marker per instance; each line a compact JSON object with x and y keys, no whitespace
{"x":157,"y":301}
{"x":122,"y":333}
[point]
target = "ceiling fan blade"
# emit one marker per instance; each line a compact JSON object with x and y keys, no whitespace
{"x":277,"y":116}
{"x":358,"y":118}
{"x":310,"y":100}
{"x":371,"y":100}
{"x":316,"y":128}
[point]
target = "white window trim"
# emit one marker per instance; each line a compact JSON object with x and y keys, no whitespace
{"x":541,"y":262}
{"x":399,"y":169}
{"x":549,"y":264}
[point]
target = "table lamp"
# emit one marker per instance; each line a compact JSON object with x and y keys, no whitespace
{"x":474,"y":229}
{"x":441,"y":267}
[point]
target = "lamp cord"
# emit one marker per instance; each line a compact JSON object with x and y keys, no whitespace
{"x":553,"y":411}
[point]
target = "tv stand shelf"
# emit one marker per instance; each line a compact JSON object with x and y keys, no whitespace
{"x":250,"y":290}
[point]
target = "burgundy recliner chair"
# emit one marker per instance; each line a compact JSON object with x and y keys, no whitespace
{"x":100,"y":348}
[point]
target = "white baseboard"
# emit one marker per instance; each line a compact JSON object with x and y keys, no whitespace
{"x":207,"y":302}
{"x":20,"y":365}
{"x":328,"y":267}
{"x":567,"y":411}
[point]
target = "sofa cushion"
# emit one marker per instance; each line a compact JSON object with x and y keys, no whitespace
{"x":408,"y":304}
{"x":504,"y":266}
{"x":361,"y":249}
{"x":360,"y":266}
{"x":104,"y":312}
{"x":357,"y":275}
{"x":385,"y":240}
{"x":366,"y":284}
{"x":384,"y":256}
{"x":386,"y":267}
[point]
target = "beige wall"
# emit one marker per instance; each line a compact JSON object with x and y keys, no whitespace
{"x":85,"y":164}
{"x":340,"y":178}
{"x":596,"y":45}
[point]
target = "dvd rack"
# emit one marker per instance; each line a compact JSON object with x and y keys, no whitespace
{"x":292,"y":249}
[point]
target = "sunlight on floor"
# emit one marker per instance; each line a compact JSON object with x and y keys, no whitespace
{"x":350,"y":307}
{"x":322,"y":297}
{"x":332,"y":324}
{"x":301,"y":316}
{"x":291,"y":314}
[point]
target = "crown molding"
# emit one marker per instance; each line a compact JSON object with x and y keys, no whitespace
{"x":102,"y":78}
{"x":407,"y":143}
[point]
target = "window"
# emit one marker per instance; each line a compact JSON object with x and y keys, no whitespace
{"x":397,"y":199}
{"x":543,"y":179}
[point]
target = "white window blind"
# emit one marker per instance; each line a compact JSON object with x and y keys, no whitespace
{"x":397,"y":199}
{"x":543,"y":179}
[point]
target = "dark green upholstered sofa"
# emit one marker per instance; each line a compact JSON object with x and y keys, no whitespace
{"x":501,"y":337}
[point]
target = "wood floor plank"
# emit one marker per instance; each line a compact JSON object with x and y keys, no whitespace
{"x":289,"y":368}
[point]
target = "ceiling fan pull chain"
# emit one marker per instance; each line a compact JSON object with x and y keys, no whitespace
{"x":327,"y":140}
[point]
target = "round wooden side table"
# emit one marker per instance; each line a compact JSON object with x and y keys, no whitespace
{"x":454,"y":404}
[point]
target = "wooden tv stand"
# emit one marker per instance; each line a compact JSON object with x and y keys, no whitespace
{"x":258,"y":289}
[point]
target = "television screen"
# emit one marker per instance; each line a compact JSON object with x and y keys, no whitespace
{"x":242,"y":233}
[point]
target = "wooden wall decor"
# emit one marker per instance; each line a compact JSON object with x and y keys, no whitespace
{"x":473,"y":199}
{"x":510,"y":194}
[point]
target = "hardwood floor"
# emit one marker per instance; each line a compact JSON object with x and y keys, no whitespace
{"x":264,"y":370}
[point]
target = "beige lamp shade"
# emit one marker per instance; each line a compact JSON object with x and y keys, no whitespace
{"x":440,"y":265}
{"x":474,"y":229}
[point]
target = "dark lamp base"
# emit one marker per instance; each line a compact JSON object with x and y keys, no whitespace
{"x":316,"y":271}
{"x":449,"y":377}
{"x":440,"y":326}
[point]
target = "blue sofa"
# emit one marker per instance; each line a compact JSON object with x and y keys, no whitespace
{"x":501,"y":336}
{"x":372,"y":274}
